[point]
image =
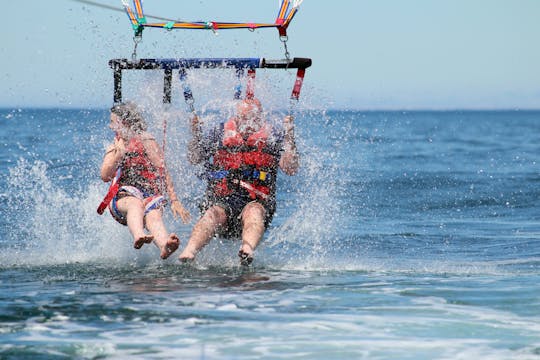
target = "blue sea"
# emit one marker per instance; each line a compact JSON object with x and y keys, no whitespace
{"x":406,"y":235}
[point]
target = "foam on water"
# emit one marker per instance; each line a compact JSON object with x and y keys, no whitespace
{"x":312,"y":321}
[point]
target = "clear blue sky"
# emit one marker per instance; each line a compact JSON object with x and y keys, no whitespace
{"x":367,"y":54}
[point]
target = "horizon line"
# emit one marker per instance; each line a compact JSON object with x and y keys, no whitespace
{"x":456,"y":109}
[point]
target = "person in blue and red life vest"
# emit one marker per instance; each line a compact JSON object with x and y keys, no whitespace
{"x":135,"y":163}
{"x":241,"y":159}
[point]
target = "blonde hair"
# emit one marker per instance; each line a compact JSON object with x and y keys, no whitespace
{"x":130,"y":116}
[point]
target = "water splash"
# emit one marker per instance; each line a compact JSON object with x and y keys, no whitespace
{"x":320,"y":223}
{"x":55,"y":226}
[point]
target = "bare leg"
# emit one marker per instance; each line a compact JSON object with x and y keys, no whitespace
{"x":133,"y":209}
{"x":252,"y":231}
{"x":203,"y":231}
{"x":167,"y":243}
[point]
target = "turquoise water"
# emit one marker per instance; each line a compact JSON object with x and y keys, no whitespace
{"x":406,"y":235}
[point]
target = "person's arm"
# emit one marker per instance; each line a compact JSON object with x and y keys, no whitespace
{"x":290,"y":160}
{"x":157,"y":158}
{"x":112,"y":159}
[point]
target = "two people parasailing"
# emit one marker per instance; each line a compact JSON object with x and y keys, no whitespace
{"x":241,"y":157}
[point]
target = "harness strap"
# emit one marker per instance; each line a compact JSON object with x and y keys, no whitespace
{"x":250,"y":87}
{"x":113,"y":189}
{"x":238,"y":87}
{"x":188,"y":95}
{"x":162,"y":169}
{"x":253,"y":174}
{"x":251,"y":189}
{"x":298,"y":84}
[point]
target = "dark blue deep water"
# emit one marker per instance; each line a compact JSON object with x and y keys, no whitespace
{"x":406,"y":235}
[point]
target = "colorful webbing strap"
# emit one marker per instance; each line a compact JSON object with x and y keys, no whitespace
{"x":280,"y":19}
{"x":209,"y":25}
{"x":282,"y":13}
{"x":137,"y":19}
{"x":285,"y":15}
{"x":131,"y":15}
{"x":137,"y":4}
{"x":287,"y":10}
{"x":113,"y":189}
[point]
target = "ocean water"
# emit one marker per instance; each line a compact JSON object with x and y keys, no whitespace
{"x":406,"y":235}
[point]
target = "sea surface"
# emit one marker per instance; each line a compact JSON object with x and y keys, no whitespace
{"x":406,"y":235}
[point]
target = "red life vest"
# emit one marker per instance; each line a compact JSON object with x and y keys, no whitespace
{"x":250,"y":163}
{"x":138,"y":170}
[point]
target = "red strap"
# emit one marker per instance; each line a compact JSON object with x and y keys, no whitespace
{"x":250,"y":87}
{"x":298,"y":84}
{"x":281,"y":26}
{"x":254,"y":190}
{"x":113,"y":189}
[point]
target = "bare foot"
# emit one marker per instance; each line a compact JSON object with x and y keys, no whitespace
{"x":172,"y":244}
{"x":186,"y":256}
{"x":245,"y":254}
{"x":139,"y":242}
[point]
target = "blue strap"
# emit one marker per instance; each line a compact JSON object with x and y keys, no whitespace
{"x":254,"y":174}
{"x":238,"y":88}
{"x":188,"y":95}
{"x":217,"y":175}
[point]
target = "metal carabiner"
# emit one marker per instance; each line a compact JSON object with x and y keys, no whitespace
{"x":284,"y":40}
{"x":136,"y":40}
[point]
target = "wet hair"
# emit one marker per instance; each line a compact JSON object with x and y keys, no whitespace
{"x":130,"y":116}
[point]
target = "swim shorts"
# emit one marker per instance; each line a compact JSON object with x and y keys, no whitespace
{"x":150,"y":202}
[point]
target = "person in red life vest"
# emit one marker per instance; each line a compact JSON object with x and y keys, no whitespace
{"x":241,"y":159}
{"x":135,"y":164}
